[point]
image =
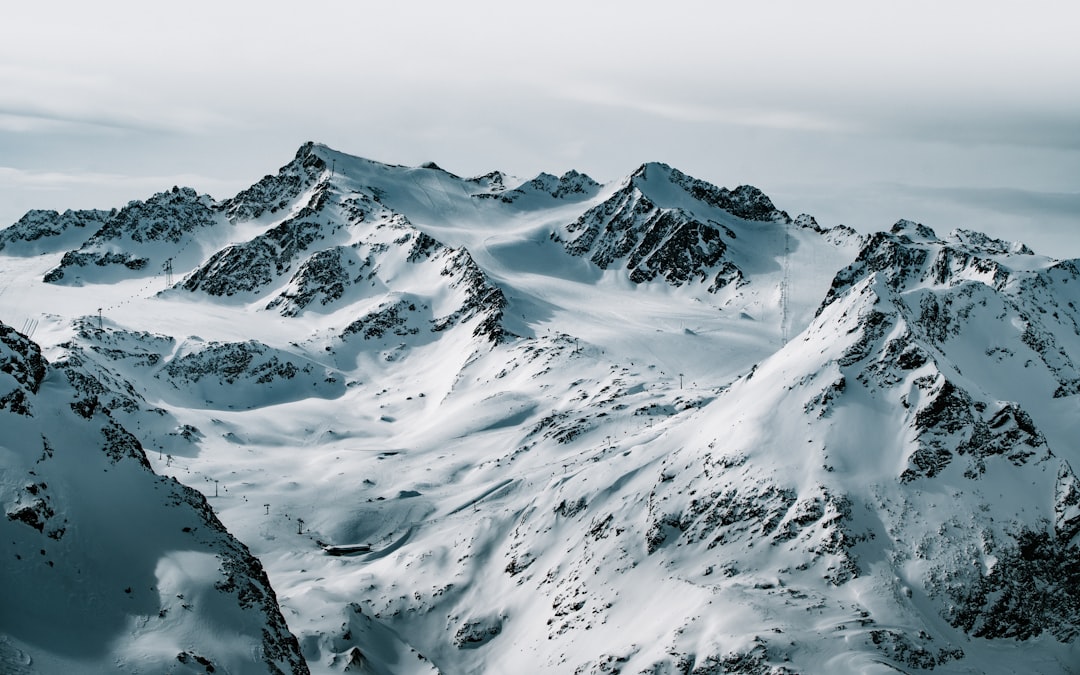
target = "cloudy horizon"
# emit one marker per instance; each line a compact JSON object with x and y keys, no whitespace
{"x":960,"y":117}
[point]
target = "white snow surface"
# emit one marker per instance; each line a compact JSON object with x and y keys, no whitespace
{"x":649,"y":477}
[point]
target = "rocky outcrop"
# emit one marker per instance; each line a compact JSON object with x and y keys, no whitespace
{"x":22,"y":368}
{"x":247,"y":375}
{"x":653,"y":225}
{"x":41,"y":231}
{"x":277,"y":191}
{"x":482,"y":299}
{"x":138,"y":238}
{"x":571,"y":185}
{"x":251,"y":266}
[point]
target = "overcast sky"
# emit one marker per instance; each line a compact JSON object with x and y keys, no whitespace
{"x":957,"y":114}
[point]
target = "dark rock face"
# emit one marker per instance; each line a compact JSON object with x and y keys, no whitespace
{"x":746,"y":201}
{"x":228,"y":361}
{"x":670,"y":242}
{"x":253,"y":265}
{"x":1033,"y":588}
{"x":322,"y":278}
{"x":476,"y":632}
{"x":1067,"y":505}
{"x":482,"y":298}
{"x":950,"y":421}
{"x":75,"y":259}
{"x":707,"y":500}
{"x":21,"y":359}
{"x":166,"y":217}
{"x":275,"y":192}
{"x":912,"y":253}
{"x":322,"y":275}
{"x":137,"y":236}
{"x":941,"y":285}
{"x":391,"y":318}
{"x":97,"y":386}
{"x":913,"y":651}
{"x":651,"y":241}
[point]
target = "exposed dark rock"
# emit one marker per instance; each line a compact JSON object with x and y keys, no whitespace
{"x":653,"y":241}
{"x":167,"y":217}
{"x":902,"y":649}
{"x":323,"y":277}
{"x":1066,"y":505}
{"x":1033,"y":588}
{"x":41,"y":231}
{"x":21,"y":359}
{"x":476,"y":632}
{"x":391,"y":317}
{"x":275,"y":192}
{"x":482,"y":298}
{"x":570,"y":184}
{"x":251,"y":266}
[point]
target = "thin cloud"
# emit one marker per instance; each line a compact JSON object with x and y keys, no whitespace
{"x":673,"y":109}
{"x":84,"y":117}
{"x":60,"y":181}
{"x":1003,"y":200}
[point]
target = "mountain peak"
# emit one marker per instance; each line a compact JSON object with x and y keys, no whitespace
{"x":654,"y":179}
{"x":989,"y":244}
{"x":571,"y":185}
{"x":435,"y":167}
{"x":308,"y":148}
{"x":913,"y":231}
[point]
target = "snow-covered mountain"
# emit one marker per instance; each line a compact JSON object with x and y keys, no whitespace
{"x":109,"y":566}
{"x":496,"y":424}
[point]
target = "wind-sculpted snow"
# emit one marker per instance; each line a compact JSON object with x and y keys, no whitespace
{"x":155,"y":571}
{"x":493,"y":425}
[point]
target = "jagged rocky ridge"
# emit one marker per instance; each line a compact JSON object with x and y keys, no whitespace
{"x":850,"y":492}
{"x":138,"y":237}
{"x":658,"y":224}
{"x":46,"y":231}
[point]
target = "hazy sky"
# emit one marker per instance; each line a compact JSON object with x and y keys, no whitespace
{"x":957,"y":114}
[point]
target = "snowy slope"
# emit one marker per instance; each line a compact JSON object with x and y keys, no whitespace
{"x":501,"y":425}
{"x":108,"y":566}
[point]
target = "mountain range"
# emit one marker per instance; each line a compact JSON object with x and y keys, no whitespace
{"x":371,"y":418}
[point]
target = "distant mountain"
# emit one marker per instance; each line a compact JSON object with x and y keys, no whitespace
{"x":492,"y":424}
